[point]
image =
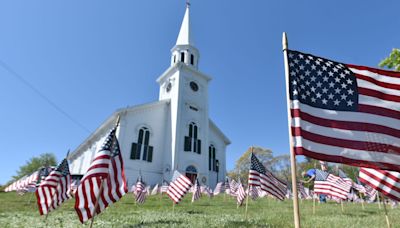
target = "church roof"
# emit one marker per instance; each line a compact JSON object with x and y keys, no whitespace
{"x":109,"y":123}
{"x":184,"y":37}
{"x":218,"y":131}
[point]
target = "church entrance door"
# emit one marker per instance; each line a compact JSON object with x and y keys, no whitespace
{"x":191,"y":173}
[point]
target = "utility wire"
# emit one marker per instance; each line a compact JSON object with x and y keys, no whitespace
{"x":44,"y":97}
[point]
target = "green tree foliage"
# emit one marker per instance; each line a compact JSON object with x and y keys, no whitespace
{"x":279,"y":165}
{"x":46,"y":159}
{"x":393,"y":61}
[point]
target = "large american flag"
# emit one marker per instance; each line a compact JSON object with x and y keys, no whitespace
{"x":178,"y":187}
{"x":260,"y":176}
{"x":344,"y":113}
{"x":104,"y":180}
{"x":140,"y":191}
{"x":387,"y":182}
{"x":329,"y":184}
{"x":54,"y":189}
{"x":197,"y":191}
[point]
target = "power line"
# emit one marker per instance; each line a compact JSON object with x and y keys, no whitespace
{"x":44,"y":97}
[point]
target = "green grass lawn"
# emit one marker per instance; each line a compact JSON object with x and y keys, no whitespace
{"x":21,"y":211}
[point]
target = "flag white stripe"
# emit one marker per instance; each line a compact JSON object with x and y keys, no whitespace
{"x":373,"y":101}
{"x":369,"y":85}
{"x":372,"y":156}
{"x":345,"y":134}
{"x":357,"y":117}
{"x":376,"y":76}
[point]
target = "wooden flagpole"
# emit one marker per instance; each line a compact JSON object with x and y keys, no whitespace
{"x":386,"y":213}
{"x":314,"y":199}
{"x":248,"y":190}
{"x":362,"y":200}
{"x":341,"y":204}
{"x":379,"y":201}
{"x":96,"y":205}
{"x":292,"y":155}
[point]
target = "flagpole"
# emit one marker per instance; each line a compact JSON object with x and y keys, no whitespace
{"x":314,"y":199}
{"x":248,"y":190}
{"x":379,"y":201}
{"x":292,"y":155}
{"x":96,"y":205}
{"x":386,"y":213}
{"x":341,"y":203}
{"x":362,"y":200}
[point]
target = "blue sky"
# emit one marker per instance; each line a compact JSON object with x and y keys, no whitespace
{"x":93,"y":57}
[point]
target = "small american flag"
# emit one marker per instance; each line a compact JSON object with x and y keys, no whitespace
{"x":254,"y":192}
{"x":227,"y":186}
{"x":155,"y":190}
{"x":344,"y":113}
{"x":104,"y":183}
{"x":302,"y":191}
{"x":178,"y":187}
{"x":197,"y":191}
{"x":329,"y":184}
{"x":140,"y":191}
{"x":260,"y":176}
{"x":240,"y":193}
{"x":386,"y":182}
{"x":219,"y":188}
{"x":371,"y":193}
{"x":233,"y":187}
{"x":54,"y":189}
{"x":24,"y":183}
{"x":164,"y":187}
{"x":349,"y":181}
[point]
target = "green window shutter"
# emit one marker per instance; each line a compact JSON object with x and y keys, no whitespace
{"x":188,"y":143}
{"x":133,"y":151}
{"x":198,"y":146}
{"x":150,"y":154}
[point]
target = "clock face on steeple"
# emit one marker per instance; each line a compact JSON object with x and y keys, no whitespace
{"x":194,"y":86}
{"x":169,"y":86}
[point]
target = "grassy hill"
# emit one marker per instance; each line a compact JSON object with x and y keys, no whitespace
{"x":21,"y":211}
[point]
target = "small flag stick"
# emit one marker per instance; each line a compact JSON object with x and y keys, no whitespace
{"x":341,"y":203}
{"x":386,"y":213}
{"x":292,"y":155}
{"x":362,"y":200}
{"x":379,"y":201}
{"x":248,"y":191}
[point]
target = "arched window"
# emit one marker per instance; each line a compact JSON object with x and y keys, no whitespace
{"x":212,"y":164}
{"x":192,"y":143}
{"x":142,"y":150}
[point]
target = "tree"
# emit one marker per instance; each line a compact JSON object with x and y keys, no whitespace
{"x":393,"y":61}
{"x":279,"y":165}
{"x":46,"y":159}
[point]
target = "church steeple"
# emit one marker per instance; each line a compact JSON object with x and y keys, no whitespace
{"x":184,"y":50}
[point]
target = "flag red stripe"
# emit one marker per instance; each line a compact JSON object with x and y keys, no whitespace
{"x":379,"y":83}
{"x":379,"y":111}
{"x":345,"y":160}
{"x":351,"y":144}
{"x":374,"y":70}
{"x":345,"y":125}
{"x":378,"y":94}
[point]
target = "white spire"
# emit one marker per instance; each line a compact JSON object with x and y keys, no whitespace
{"x":184,"y":37}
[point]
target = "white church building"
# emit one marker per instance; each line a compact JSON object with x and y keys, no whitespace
{"x":173,"y":133}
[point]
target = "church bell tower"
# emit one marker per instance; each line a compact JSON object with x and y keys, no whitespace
{"x":187,"y":89}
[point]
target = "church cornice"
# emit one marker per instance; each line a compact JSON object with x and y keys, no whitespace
{"x":179,"y":67}
{"x":108,"y":124}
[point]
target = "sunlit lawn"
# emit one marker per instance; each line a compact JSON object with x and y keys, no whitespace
{"x":21,"y":211}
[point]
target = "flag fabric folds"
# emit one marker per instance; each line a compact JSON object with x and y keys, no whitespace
{"x":25,"y":183}
{"x":140,"y":191}
{"x":329,"y":184}
{"x":219,"y":188}
{"x":104,"y":182}
{"x":260,"y":176}
{"x":54,"y":189}
{"x":197,"y":191}
{"x":386,"y":182}
{"x":344,"y":113}
{"x":178,"y":187}
{"x":240,"y":193}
